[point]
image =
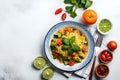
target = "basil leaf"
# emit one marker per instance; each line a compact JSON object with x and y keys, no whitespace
{"x":74,"y":1}
{"x":65,"y":47}
{"x":72,"y":40}
{"x":83,"y":1}
{"x":69,"y":9}
{"x":65,"y":41}
{"x":73,"y":14}
{"x":88,"y":4}
{"x":70,"y":51}
{"x":75,"y":47}
{"x":67,"y":1}
{"x":80,"y":5}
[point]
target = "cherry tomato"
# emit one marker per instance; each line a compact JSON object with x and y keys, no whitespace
{"x":75,"y":54}
{"x":112,"y":45}
{"x":63,"y":17}
{"x":103,"y":57}
{"x":59,"y":42}
{"x":55,"y":54}
{"x":109,"y":58}
{"x":71,"y":62}
{"x":58,"y":11}
{"x":105,"y":52}
{"x":108,"y":55}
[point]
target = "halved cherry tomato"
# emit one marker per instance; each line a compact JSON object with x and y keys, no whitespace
{"x":109,"y":58}
{"x":58,"y":11}
{"x":68,"y":29}
{"x":75,"y":54}
{"x":63,"y":17}
{"x":112,"y":45}
{"x":55,"y":54}
{"x":71,"y":62}
{"x":59,"y":42}
{"x":103,"y":57}
{"x":84,"y":48}
{"x":106,"y":56}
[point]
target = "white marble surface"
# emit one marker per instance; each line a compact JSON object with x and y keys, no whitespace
{"x":23,"y":26}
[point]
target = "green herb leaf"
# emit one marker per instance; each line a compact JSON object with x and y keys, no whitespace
{"x":80,"y":5}
{"x":73,"y":14}
{"x":74,"y":1}
{"x":83,"y":1}
{"x":67,"y":1}
{"x":65,"y":47}
{"x":57,"y":35}
{"x":88,"y":4}
{"x":72,"y":40}
{"x":69,"y":9}
{"x":70,"y":51}
{"x":77,"y":59}
{"x":53,"y":47}
{"x":65,"y":41}
{"x":75,"y":47}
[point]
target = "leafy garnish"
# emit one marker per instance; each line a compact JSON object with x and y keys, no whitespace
{"x":72,"y":40}
{"x":53,"y":47}
{"x":75,"y":47}
{"x":70,"y":51}
{"x":75,"y":4}
{"x":65,"y":47}
{"x":65,"y":41}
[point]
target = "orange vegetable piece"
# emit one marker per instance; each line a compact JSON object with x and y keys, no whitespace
{"x":68,"y":29}
{"x":59,"y":42}
{"x":84,"y":48}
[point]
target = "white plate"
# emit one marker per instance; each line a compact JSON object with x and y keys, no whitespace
{"x":55,"y":62}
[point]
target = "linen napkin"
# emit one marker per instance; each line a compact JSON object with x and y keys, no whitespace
{"x":83,"y":73}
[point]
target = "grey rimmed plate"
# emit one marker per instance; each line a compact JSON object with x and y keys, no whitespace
{"x":55,"y":63}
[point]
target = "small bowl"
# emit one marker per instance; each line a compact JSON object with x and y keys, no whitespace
{"x":104,"y":23}
{"x":105,"y":56}
{"x":102,"y":70}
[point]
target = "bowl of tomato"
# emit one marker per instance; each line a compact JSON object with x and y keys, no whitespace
{"x":102,"y":70}
{"x":105,"y":56}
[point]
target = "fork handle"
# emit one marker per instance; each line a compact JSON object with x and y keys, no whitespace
{"x":92,"y":69}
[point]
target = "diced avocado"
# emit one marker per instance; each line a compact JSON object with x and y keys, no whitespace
{"x":77,"y":59}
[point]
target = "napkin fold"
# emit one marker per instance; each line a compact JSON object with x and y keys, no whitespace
{"x":83,"y":73}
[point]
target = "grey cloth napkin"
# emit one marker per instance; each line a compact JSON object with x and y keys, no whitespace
{"x":84,"y":73}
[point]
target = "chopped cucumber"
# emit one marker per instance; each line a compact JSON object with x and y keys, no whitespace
{"x":39,"y":62}
{"x":66,"y":62}
{"x":48,"y":73}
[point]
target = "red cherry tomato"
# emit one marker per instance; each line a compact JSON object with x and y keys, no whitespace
{"x":59,"y":42}
{"x":64,"y":15}
{"x":108,"y":55}
{"x":75,"y":54}
{"x":112,"y":45}
{"x":105,"y":52}
{"x":58,"y":11}
{"x":71,"y":62}
{"x":103,"y":57}
{"x":109,"y":58}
